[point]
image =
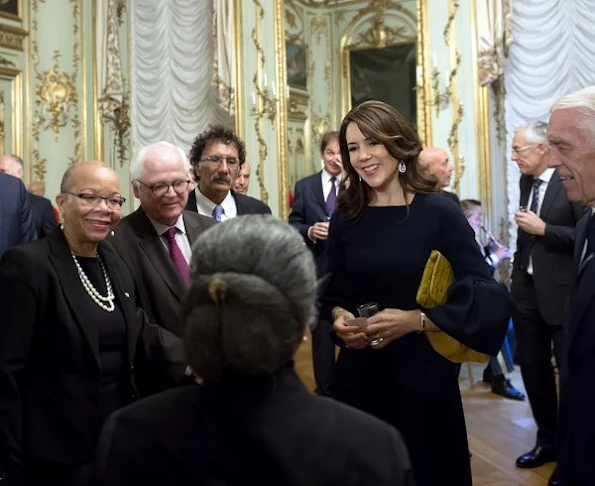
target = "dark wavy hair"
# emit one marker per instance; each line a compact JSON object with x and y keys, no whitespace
{"x":216,"y":133}
{"x":381,"y":122}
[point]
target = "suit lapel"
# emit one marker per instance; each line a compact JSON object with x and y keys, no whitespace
{"x":318,"y":193}
{"x":74,"y":292}
{"x":551,"y":193}
{"x":150,"y":242}
{"x":122,"y":293}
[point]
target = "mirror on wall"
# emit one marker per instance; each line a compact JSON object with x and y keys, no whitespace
{"x":339,"y":54}
{"x":387,"y":74}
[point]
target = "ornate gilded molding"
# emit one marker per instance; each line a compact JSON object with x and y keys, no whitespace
{"x":57,"y":91}
{"x":482,"y":129}
{"x":321,"y":123}
{"x":281,"y":122}
{"x":6,"y":62}
{"x":379,"y":35}
{"x":258,"y":112}
{"x":239,"y":70}
{"x":319,"y":25}
{"x":2,"y":123}
{"x":457,"y":106}
{"x":12,"y":37}
{"x":424,"y":95}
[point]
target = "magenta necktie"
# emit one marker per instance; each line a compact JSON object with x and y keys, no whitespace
{"x":331,"y":200}
{"x":176,"y":255}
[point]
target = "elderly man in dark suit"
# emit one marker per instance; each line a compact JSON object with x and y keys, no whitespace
{"x":437,"y":164}
{"x":217,"y":155}
{"x":155,"y":240}
{"x":540,"y":280}
{"x":315,"y":198}
{"x":16,"y":222}
{"x":41,"y":208}
{"x":571,"y":133}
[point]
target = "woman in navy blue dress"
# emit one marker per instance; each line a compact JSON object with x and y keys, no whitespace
{"x":387,"y":223}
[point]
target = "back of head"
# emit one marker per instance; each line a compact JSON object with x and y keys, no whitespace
{"x":253,"y":293}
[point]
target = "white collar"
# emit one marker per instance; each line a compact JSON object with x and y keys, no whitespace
{"x":327,"y":176}
{"x":205,"y":205}
{"x":546,"y":175}
{"x":162,"y":228}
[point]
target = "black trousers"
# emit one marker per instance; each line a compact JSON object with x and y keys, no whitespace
{"x":323,"y":356}
{"x":534,"y":343}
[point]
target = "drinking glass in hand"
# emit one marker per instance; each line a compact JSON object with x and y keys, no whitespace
{"x":368,"y":310}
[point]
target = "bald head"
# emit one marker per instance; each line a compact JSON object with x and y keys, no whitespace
{"x":435,"y":162}
{"x":82,"y":169}
{"x":12,"y":165}
{"x":37,"y":188}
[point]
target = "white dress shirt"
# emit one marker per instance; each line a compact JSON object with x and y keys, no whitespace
{"x":205,"y":206}
{"x":181,"y":237}
{"x":326,"y":183}
{"x":545,"y":176}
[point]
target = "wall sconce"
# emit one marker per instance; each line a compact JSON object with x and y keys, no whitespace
{"x":264,"y":101}
{"x":440,"y":100}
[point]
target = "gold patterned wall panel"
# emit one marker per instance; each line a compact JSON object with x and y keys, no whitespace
{"x":58,"y":77}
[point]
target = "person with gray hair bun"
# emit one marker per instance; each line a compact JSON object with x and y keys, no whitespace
{"x":252,"y":421}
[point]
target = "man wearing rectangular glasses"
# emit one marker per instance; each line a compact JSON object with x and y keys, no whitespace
{"x":217,"y":156}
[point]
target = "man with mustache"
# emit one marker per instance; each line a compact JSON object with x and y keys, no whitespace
{"x":217,"y":156}
{"x":540,"y":282}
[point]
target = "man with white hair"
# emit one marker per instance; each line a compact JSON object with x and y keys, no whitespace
{"x":540,"y":279}
{"x":155,"y":240}
{"x":571,"y":134}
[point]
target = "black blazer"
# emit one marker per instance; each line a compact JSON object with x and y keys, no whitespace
{"x":245,"y":204}
{"x":16,"y":220}
{"x":551,"y":253}
{"x":576,"y":431}
{"x":452,"y":196}
{"x":265,"y":431}
{"x":159,"y":288}
{"x":309,"y":207}
{"x":43,"y":215}
{"x":50,"y":375}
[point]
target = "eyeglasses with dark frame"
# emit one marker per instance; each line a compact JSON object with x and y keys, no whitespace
{"x":215,"y":160}
{"x":161,"y":188}
{"x":93,"y":200}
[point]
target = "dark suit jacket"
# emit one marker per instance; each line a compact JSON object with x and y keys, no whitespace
{"x":159,"y":288}
{"x":16,"y":221}
{"x":265,"y":431}
{"x":43,"y":215}
{"x":309,"y":207}
{"x":551,"y":253}
{"x":452,"y":196}
{"x":245,"y":204}
{"x":576,"y":436}
{"x":50,"y":375}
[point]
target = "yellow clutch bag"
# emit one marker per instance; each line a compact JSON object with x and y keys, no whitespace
{"x":433,"y":291}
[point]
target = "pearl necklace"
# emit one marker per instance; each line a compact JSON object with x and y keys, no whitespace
{"x":106,"y":303}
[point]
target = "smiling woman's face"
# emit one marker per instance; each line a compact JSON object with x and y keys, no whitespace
{"x":370,"y":159}
{"x":84,"y":224}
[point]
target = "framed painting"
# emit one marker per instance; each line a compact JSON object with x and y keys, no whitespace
{"x":11,"y":9}
{"x":295,"y":57}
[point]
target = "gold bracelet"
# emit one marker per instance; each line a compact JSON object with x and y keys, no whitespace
{"x":422,"y":322}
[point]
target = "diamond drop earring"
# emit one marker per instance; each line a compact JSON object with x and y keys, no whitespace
{"x":402,"y":167}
